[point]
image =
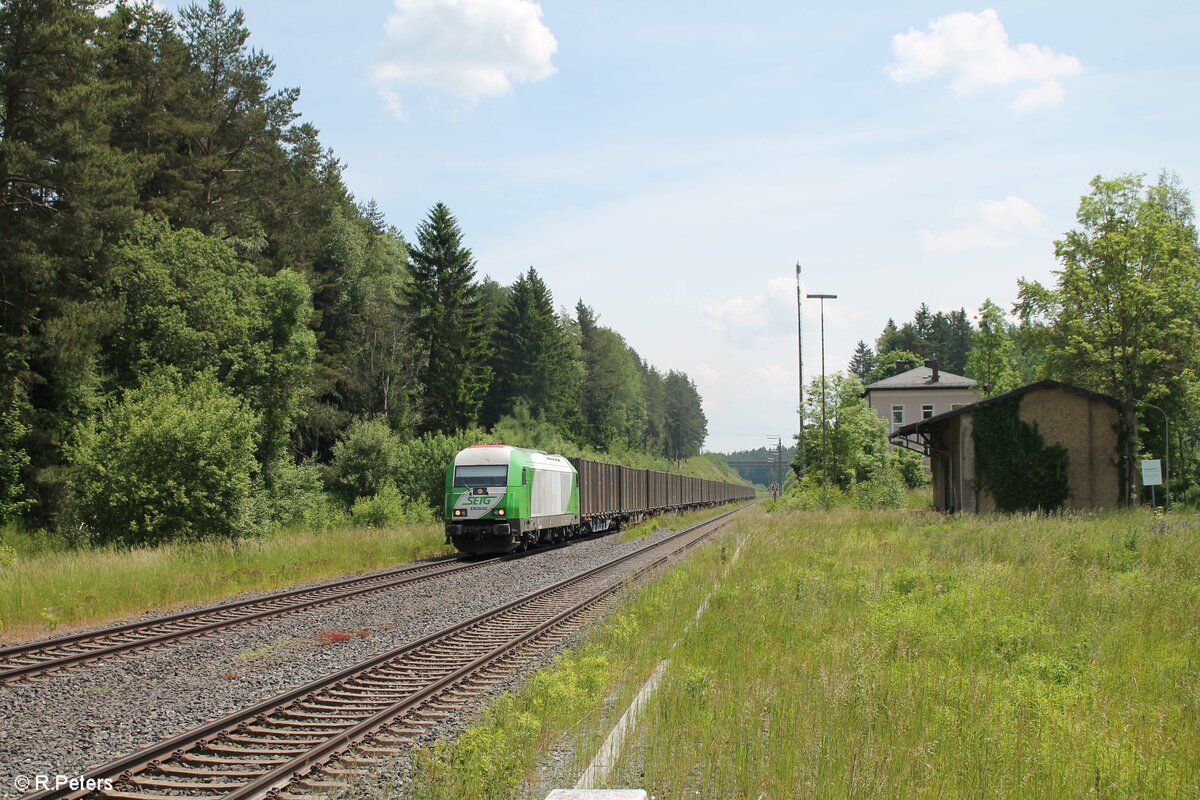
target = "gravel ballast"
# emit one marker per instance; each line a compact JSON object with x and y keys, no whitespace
{"x":68,"y":722}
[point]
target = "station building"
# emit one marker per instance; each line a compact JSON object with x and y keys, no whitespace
{"x":911,"y":395}
{"x":1079,"y":429}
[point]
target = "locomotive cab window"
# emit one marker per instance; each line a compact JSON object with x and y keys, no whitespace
{"x":485,"y":475}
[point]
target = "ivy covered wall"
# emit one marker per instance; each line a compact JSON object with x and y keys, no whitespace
{"x":1013,"y":461}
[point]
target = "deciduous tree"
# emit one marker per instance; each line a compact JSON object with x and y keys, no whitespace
{"x":1121,"y":317}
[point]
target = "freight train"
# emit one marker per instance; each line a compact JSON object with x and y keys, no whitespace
{"x":500,"y":498}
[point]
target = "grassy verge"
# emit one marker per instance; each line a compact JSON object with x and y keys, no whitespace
{"x":671,"y":521}
{"x":48,"y":589}
{"x":573,"y":702}
{"x":879,"y":655}
{"x":910,"y":655}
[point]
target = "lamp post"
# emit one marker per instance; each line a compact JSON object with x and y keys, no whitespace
{"x":1166,"y":454}
{"x":824,"y":446}
{"x":800,"y":354}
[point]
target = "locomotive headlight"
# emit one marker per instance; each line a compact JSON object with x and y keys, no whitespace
{"x":458,"y":512}
{"x":499,"y":512}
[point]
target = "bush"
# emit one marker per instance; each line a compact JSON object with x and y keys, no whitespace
{"x":168,"y":461}
{"x":420,"y":469}
{"x":298,"y":499}
{"x":388,"y":508}
{"x":886,"y":489}
{"x":369,"y":456}
{"x":807,"y":494}
{"x":912,"y":468}
{"x":364,"y":459}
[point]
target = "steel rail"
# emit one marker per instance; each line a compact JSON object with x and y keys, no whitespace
{"x":276,"y":774}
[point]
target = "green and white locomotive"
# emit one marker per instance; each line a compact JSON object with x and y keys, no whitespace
{"x":501,"y":498}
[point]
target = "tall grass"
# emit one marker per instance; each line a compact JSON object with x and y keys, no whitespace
{"x":41,"y":590}
{"x":909,"y":655}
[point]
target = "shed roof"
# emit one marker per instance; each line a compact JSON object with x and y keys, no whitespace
{"x":923,"y":424}
{"x":922,"y":378}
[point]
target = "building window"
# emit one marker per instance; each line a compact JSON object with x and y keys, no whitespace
{"x":897,"y":415}
{"x":926,"y":411}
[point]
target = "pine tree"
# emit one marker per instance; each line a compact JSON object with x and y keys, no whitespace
{"x":614,"y":400}
{"x":532,"y":357}
{"x":233,"y":121}
{"x":686,"y":425}
{"x":447,"y":325}
{"x":64,"y":192}
{"x":863,"y":361}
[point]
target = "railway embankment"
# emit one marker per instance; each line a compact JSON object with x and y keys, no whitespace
{"x":884,"y":654}
{"x":58,"y":590}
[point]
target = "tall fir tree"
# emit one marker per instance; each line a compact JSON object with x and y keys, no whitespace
{"x":233,"y":121}
{"x":862,"y":362}
{"x":686,"y":425}
{"x":532,"y":356}
{"x":447,"y":325}
{"x":64,"y":192}
{"x":614,"y":400}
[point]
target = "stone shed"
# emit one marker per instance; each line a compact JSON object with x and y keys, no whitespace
{"x":1044,"y":446}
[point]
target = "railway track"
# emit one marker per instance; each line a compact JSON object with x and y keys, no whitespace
{"x":19,"y":662}
{"x":319,"y":739}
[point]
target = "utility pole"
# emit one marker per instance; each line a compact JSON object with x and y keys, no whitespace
{"x":800,"y":351}
{"x":824,"y":443}
{"x":776,"y":459}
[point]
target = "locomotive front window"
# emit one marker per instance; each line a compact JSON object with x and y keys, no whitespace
{"x":483,"y":475}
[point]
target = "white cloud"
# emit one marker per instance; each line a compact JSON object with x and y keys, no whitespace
{"x":753,"y":315}
{"x":467,"y":48}
{"x":1048,"y":95}
{"x":973,"y":51}
{"x":990,"y":224}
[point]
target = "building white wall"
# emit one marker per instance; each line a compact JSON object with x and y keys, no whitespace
{"x":911,"y":402}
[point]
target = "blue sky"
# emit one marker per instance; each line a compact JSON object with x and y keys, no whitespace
{"x":670,"y":162}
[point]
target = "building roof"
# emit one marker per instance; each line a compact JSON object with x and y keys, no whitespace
{"x":922,"y":378}
{"x":923,"y":424}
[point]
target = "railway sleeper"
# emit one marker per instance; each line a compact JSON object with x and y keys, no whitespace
{"x":347,"y":772}
{"x":309,"y":783}
{"x":368,"y":684}
{"x":164,"y":783}
{"x":358,"y":696}
{"x":346,"y":708}
{"x":285,"y":724}
{"x":302,"y":712}
{"x":242,"y":737}
{"x":123,"y":795}
{"x":263,"y":750}
{"x":391,"y":736}
{"x":199,"y":758}
{"x":403,"y":730}
{"x":429,"y":714}
{"x":358,"y":761}
{"x":171,"y":769}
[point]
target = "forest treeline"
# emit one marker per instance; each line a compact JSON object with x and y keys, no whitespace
{"x":204,"y":332}
{"x":1122,"y":317}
